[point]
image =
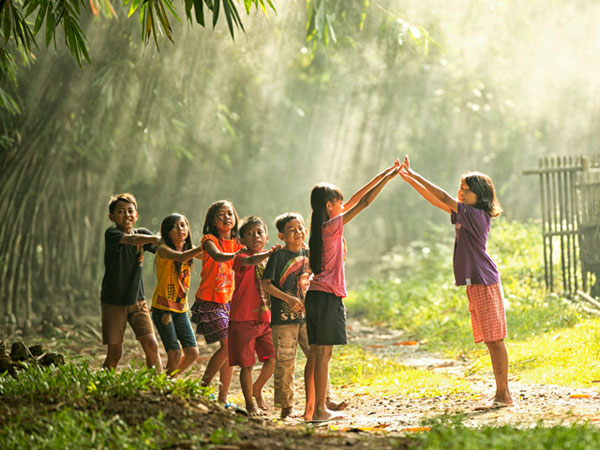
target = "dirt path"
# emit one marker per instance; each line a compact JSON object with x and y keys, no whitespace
{"x":548,"y":403}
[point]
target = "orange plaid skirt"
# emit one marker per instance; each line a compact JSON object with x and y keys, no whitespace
{"x":486,"y":305}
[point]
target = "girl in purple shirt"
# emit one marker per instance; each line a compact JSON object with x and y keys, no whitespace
{"x":471,"y":214}
{"x":325,"y":312}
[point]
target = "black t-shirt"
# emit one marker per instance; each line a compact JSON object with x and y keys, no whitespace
{"x":122,"y":283}
{"x":290,"y":272}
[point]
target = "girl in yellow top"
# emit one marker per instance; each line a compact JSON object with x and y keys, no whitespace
{"x":174,"y":257}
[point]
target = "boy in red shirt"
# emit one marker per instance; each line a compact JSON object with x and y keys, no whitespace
{"x":250,"y":317}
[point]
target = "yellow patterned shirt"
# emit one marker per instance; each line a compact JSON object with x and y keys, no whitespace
{"x":170,"y":293}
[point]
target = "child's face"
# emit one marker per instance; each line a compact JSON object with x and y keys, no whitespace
{"x":124,"y":215}
{"x":466,"y":195}
{"x":179,"y":232}
{"x":224,"y":219}
{"x":255,"y":238}
{"x":334,"y":207}
{"x":294,"y":233}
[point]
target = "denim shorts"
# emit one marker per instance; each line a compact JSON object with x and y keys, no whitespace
{"x":174,"y":330}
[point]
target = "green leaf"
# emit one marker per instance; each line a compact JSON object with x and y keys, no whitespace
{"x":39,"y":20}
{"x":199,"y":11}
{"x":215,"y":10}
{"x":320,"y":19}
{"x":132,"y":8}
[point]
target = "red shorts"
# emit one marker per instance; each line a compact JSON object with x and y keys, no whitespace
{"x":486,"y":305}
{"x":247,"y":338}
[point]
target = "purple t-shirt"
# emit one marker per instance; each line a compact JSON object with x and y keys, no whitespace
{"x":472,"y":264}
{"x":332,"y":278}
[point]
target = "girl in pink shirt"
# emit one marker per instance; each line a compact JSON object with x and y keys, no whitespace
{"x":325,"y":312}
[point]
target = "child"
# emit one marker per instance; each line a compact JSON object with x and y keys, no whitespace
{"x":286,"y":278}
{"x":472,"y":213}
{"x":249,"y":321}
{"x":122,"y":295}
{"x":211,"y":310}
{"x":325,"y":313}
{"x":174,"y":258}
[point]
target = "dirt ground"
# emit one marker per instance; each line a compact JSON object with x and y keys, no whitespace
{"x":367,"y":417}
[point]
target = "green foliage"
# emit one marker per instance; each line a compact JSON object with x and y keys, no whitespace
{"x":74,"y":383}
{"x":74,"y":428}
{"x":419,"y":295}
{"x":450,"y":433}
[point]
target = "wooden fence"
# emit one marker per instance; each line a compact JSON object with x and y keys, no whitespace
{"x":570,"y":201}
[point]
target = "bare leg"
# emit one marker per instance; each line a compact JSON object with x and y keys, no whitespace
{"x":216,"y":361}
{"x":499,"y":357}
{"x":266,"y":372}
{"x":246,"y":382}
{"x":225,"y":376}
{"x":113,"y":355}
{"x":150,"y":347}
{"x":189,"y":356}
{"x":322,"y":357}
{"x":309,"y":386}
{"x":173,"y":358}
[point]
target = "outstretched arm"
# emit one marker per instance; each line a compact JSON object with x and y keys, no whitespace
{"x":210,"y":248}
{"x":361,"y":192}
{"x":167,"y":252}
{"x":139,"y":239}
{"x":370,"y":195}
{"x":257,"y":258}
{"x":429,"y":191}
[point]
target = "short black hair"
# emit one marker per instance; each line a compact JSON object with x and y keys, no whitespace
{"x":283,"y":219}
{"x":125,"y":197}
{"x":249,"y":221}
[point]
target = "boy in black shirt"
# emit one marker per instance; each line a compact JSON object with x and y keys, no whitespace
{"x":122,"y":295}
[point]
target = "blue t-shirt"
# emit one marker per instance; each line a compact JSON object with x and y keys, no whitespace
{"x":472,"y":264}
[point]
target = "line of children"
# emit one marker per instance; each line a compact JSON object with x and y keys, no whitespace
{"x":306,"y":288}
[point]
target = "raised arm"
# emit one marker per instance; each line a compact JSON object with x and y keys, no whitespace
{"x":167,"y":252}
{"x":370,"y":195}
{"x":210,"y":248}
{"x":294,"y":302}
{"x":429,"y":191}
{"x":361,"y":192}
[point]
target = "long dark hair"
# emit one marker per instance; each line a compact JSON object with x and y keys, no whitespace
{"x":319,"y":196}
{"x":481,"y":185}
{"x":165,"y":233}
{"x":209,"y":226}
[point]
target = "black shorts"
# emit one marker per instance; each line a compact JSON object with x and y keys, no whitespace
{"x":325,"y":319}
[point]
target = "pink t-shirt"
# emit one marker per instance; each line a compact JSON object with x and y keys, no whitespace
{"x":332,"y":278}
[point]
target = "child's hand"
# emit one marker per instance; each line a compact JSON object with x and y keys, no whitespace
{"x":296,"y":305}
{"x":275,"y":247}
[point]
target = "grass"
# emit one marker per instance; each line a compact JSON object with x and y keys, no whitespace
{"x":361,"y":372}
{"x":420,"y":298}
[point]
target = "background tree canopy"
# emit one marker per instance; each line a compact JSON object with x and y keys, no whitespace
{"x":474,"y":86}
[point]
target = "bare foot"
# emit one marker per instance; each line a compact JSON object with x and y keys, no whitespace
{"x":330,"y":404}
{"x":253,"y":411}
{"x":260,"y":401}
{"x":286,"y":412}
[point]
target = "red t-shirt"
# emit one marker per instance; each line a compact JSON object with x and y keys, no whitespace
{"x":248,"y":301}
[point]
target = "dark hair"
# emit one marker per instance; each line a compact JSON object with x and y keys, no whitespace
{"x":481,"y":185}
{"x":249,"y":221}
{"x":282,"y":220}
{"x":209,"y":226}
{"x":319,"y":196}
{"x":166,"y":226}
{"x":125,"y":197}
